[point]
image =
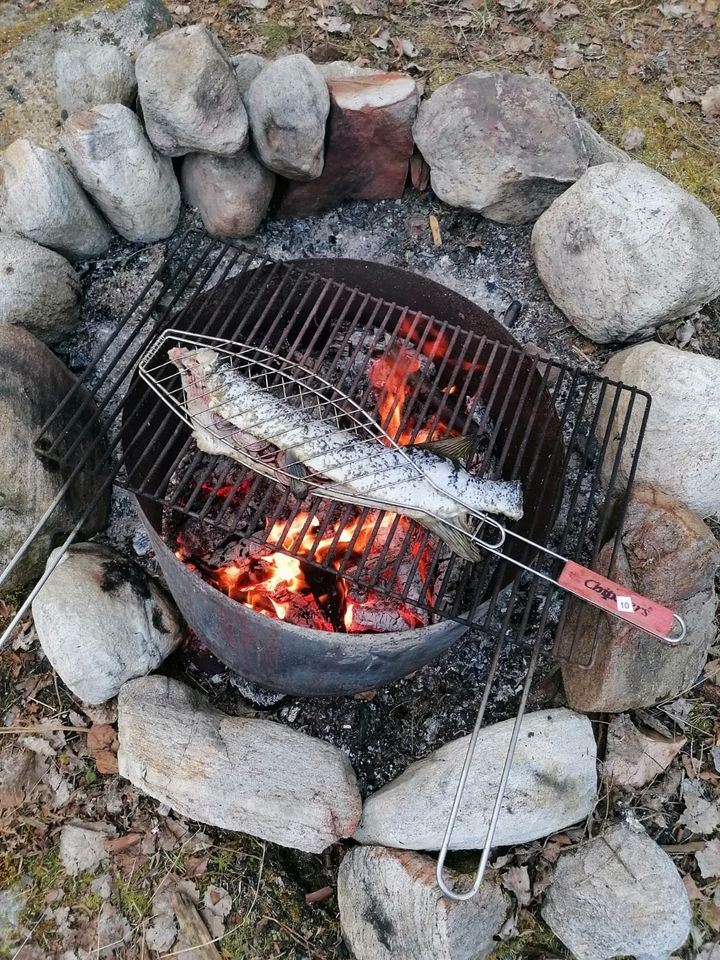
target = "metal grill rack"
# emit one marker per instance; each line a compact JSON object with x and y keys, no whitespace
{"x":576,"y":476}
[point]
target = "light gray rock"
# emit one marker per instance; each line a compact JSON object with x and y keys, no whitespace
{"x":391,"y":908}
{"x":232,"y":194}
{"x":45,"y":203}
{"x":237,"y":773}
{"x":39,"y":290}
{"x":647,"y":252}
{"x":247,"y":66}
{"x":88,"y":73}
{"x":618,"y":894}
{"x":342,"y":69}
{"x":190,"y":96}
{"x":502,"y":144}
{"x":12,"y":904}
{"x":598,"y":148}
{"x":82,"y":847}
{"x":133,"y":185}
{"x":288,"y":104}
{"x":553,"y":784}
{"x":102,"y":621}
{"x":34,"y":384}
{"x":681,"y":448}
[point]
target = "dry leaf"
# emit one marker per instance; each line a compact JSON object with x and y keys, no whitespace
{"x":571,"y":62}
{"x":515,"y":44}
{"x":367,"y":8}
{"x":103,"y":746}
{"x":382,"y":40}
{"x":674,"y":10}
{"x":515,"y":6}
{"x":568,"y":10}
{"x":404,"y":48}
{"x":517,"y":881}
{"x":632,"y":139}
{"x":710,"y":102}
{"x":334,"y":24}
{"x":197,"y":866}
{"x":681,"y":95}
{"x":464,"y":20}
{"x":693,"y":891}
{"x":545,"y":21}
{"x":700,"y":815}
{"x":635,"y":757}
{"x":708,"y":860}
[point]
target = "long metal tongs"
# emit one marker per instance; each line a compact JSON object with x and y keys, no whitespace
{"x":356,"y":430}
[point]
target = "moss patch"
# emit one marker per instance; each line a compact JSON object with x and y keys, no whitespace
{"x":54,"y":14}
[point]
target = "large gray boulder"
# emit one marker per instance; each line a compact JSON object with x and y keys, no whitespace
{"x":647,"y":252}
{"x":133,"y":185}
{"x":552,"y":785}
{"x":88,"y":73}
{"x":618,"y":895}
{"x":502,"y":144}
{"x":39,"y":290}
{"x":681,"y":448}
{"x":190,"y":96}
{"x":34,"y":384}
{"x":288,"y":104}
{"x":391,"y":908}
{"x":232,"y":194}
{"x":237,"y":773}
{"x":101,"y":621}
{"x":247,"y":66}
{"x":45,"y":203}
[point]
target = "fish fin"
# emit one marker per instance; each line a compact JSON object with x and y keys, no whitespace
{"x":297,"y":473}
{"x":458,"y":541}
{"x":451,"y":448}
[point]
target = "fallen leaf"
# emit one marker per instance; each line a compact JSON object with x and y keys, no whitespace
{"x":516,"y":44}
{"x":632,"y":139}
{"x":634,"y":756}
{"x":708,"y":860}
{"x":334,"y":24}
{"x":517,"y":881}
{"x":461,"y":21}
{"x":103,"y":746}
{"x":681,"y":95}
{"x":197,"y":866}
{"x":693,"y":891}
{"x":546,"y":20}
{"x":404,"y":48}
{"x":366,"y":8}
{"x":571,"y":62}
{"x":674,"y":10}
{"x":568,"y":10}
{"x":514,"y":6}
{"x":217,"y":904}
{"x":710,"y":102}
{"x":700,"y":815}
{"x":382,"y":40}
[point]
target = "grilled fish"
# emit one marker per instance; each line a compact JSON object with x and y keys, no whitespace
{"x":234,"y":416}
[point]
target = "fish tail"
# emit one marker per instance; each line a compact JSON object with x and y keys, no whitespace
{"x":459,"y":541}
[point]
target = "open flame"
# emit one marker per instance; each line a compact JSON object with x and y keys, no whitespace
{"x":285,"y":587}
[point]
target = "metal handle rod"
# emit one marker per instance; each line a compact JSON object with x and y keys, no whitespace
{"x":502,"y":786}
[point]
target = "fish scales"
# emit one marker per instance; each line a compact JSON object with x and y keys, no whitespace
{"x":250,"y":420}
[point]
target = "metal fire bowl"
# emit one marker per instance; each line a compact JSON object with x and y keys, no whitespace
{"x":285,"y":657}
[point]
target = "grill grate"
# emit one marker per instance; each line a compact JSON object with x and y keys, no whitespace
{"x":529,"y":419}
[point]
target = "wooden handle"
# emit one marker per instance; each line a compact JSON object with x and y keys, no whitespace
{"x":621,"y":602}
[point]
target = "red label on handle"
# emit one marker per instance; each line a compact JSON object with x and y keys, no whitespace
{"x":616,"y":599}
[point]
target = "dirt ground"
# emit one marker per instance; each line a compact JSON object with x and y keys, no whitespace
{"x":624,"y":65}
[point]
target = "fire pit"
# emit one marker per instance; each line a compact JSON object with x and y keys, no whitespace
{"x":308,"y":598}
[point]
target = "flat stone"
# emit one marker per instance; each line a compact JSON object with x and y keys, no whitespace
{"x":82,"y":847}
{"x":502,"y":144}
{"x":618,"y":895}
{"x":28,"y":100}
{"x":133,"y":185}
{"x":369,"y":144}
{"x":190,"y":97}
{"x":34,"y":384}
{"x":288,"y":104}
{"x":247,"y":66}
{"x":232,"y":194}
{"x":667,"y":554}
{"x":681,"y":448}
{"x":646,"y":249}
{"x":101,"y":621}
{"x":88,"y":73}
{"x":391,"y":908}
{"x":552,"y":785}
{"x":39,"y":291}
{"x":237,"y":773}
{"x":45,"y":203}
